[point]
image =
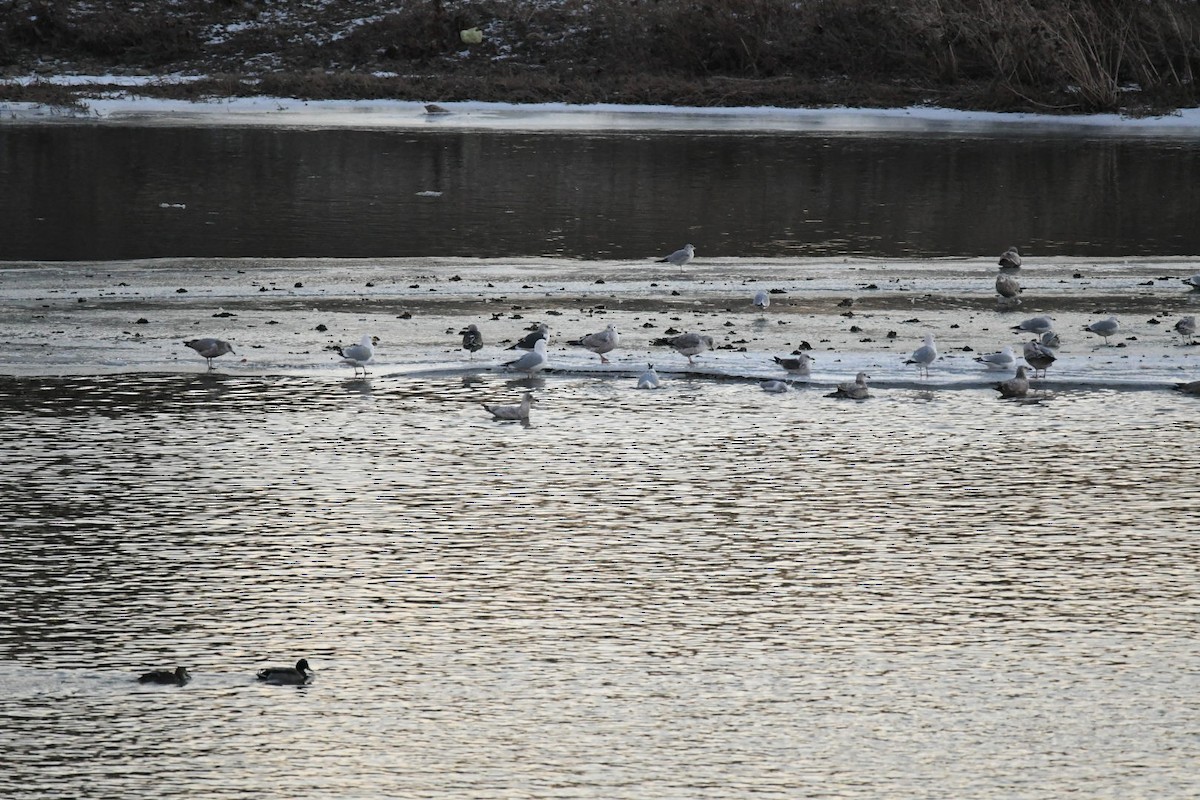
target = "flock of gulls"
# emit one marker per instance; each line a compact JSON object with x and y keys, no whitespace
{"x":1038,"y":353}
{"x":276,"y":676}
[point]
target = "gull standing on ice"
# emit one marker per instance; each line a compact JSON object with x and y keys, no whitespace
{"x":800,"y":365}
{"x":1008,"y":288}
{"x":526,"y":342}
{"x":1017,"y":386}
{"x":210,"y":348}
{"x":686,"y":344}
{"x":1002,"y":360}
{"x":1038,"y":325}
{"x":762,"y":300}
{"x":1105,"y":328}
{"x":924,"y":355}
{"x":357,"y":355}
{"x":1037,"y":356}
{"x":649,"y":379}
{"x":853,"y":391}
{"x":600,"y":343}
{"x":680,"y":256}
{"x":1186,"y":327}
{"x":518,"y":412}
{"x":532,"y":361}
{"x":472,"y":339}
{"x":1010,"y":259}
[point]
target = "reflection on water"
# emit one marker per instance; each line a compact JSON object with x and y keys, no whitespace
{"x":703,"y":591}
{"x":100,"y":193}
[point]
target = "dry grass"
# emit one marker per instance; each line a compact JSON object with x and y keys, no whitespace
{"x":1066,"y":55}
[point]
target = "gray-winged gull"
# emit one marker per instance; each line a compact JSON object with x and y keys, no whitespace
{"x":526,"y":342}
{"x":357,"y":355}
{"x":924,"y":355}
{"x":680,"y":257}
{"x":518,"y":412}
{"x":1038,"y":325}
{"x":853,"y":391}
{"x":649,"y":378}
{"x":210,"y":348}
{"x":532,"y":361}
{"x":1104,"y":328}
{"x":1016,"y":386}
{"x":800,"y":365}
{"x":1001,"y":360}
{"x":600,"y":343}
{"x":1037,"y":356}
{"x":687,"y":344}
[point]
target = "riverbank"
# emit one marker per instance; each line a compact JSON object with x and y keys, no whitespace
{"x":1121,"y":56}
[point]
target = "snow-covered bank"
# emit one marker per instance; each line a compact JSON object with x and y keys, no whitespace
{"x":120,"y":108}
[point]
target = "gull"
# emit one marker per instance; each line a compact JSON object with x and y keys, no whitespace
{"x":1191,"y":387}
{"x":853,"y":391}
{"x":472,"y":339}
{"x":680,"y":256}
{"x":800,"y":365}
{"x":293,"y":676}
{"x":526,"y":342}
{"x":1105,"y":328}
{"x":924,"y":355}
{"x":762,"y":299}
{"x":532,"y":361}
{"x":649,"y":379}
{"x":1001,"y":360}
{"x":357,"y":355}
{"x":519,"y":412}
{"x":600,"y":343}
{"x":686,"y":344}
{"x":1186,"y":327}
{"x":1008,"y":288}
{"x":210,"y":348}
{"x":1010,"y":259}
{"x":1050,"y":339}
{"x":1038,"y":325}
{"x":1037,"y":356}
{"x":774,"y":387}
{"x":1193,"y":281}
{"x":166,"y":677}
{"x":1017,"y":386}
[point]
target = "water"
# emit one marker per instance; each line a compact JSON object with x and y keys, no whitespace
{"x":84,"y":193}
{"x":627,"y":598}
{"x":703,"y":591}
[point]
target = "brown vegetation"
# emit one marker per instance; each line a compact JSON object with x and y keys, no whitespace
{"x":1050,"y":55}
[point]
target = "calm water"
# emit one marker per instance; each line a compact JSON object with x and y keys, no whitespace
{"x":683,"y":593}
{"x":94,"y":192}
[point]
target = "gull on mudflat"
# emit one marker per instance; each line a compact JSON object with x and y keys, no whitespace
{"x":287,"y":676}
{"x":1001,"y":360}
{"x":1105,"y":328}
{"x":210,"y":348}
{"x":1193,"y":281}
{"x":1037,"y":356}
{"x":649,"y":378}
{"x":800,"y":365}
{"x":357,"y":355}
{"x":472,"y":339}
{"x":600,"y":343}
{"x":686,"y":344}
{"x":517,"y":412}
{"x":680,"y":257}
{"x":774,"y":387}
{"x":853,"y":391}
{"x":532,"y":361}
{"x":762,"y":300}
{"x":1038,"y":325}
{"x":1008,"y":288}
{"x":1010,"y":259}
{"x":1186,"y":327}
{"x":924,"y":355}
{"x":1016,"y":386}
{"x":526,"y":342}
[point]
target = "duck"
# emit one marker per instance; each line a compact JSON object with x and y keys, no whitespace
{"x":292,"y":676}
{"x":166,"y":677}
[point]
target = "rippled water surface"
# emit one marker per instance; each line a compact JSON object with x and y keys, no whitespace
{"x":703,"y":591}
